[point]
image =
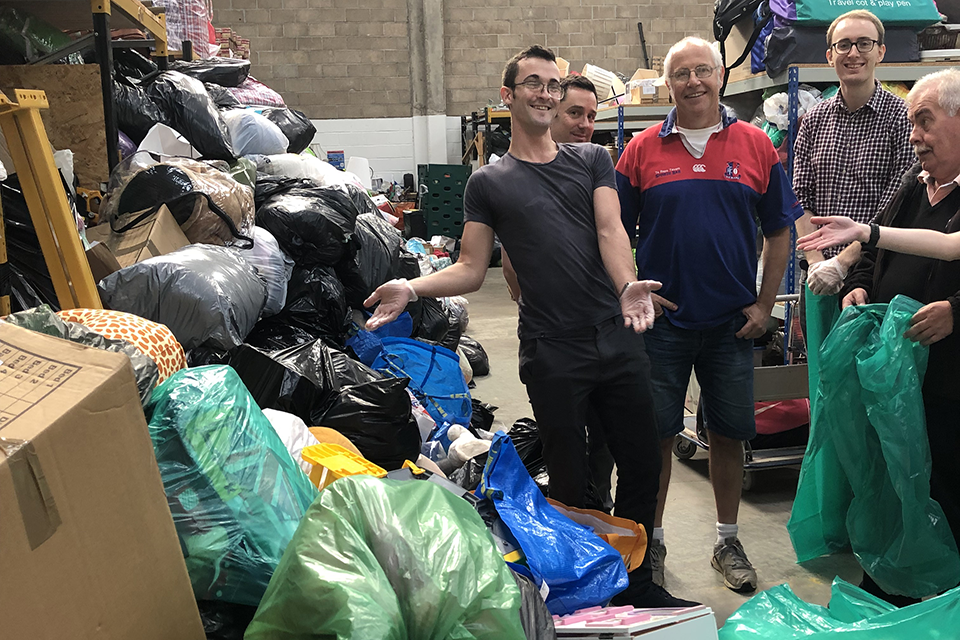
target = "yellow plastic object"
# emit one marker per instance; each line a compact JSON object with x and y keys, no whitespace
{"x":414,"y":469}
{"x":47,"y":201}
{"x":332,"y":462}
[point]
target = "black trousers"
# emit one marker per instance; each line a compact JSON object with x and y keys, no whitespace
{"x":606,"y":367}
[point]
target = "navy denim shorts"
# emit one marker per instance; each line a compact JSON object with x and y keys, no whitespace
{"x":723,"y":364}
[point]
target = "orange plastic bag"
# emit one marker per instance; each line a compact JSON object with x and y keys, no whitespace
{"x":626,"y":536}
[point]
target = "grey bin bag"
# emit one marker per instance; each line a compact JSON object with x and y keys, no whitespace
{"x":208,"y":296}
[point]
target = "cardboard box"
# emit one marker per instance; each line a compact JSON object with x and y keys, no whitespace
{"x":155,"y":236}
{"x":564,"y":67}
{"x":647,"y":87}
{"x":89,"y":546}
{"x":734,"y":45}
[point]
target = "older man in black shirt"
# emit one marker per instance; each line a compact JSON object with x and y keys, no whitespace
{"x":927,"y":199}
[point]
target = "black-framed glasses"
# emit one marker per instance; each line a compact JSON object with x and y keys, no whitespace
{"x":701,"y":71}
{"x":553,"y":87}
{"x":864,"y":45}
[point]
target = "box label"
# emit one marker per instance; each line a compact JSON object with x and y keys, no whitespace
{"x":27,"y":378}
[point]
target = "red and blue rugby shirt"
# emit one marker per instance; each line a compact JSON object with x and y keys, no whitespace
{"x":695,"y":219}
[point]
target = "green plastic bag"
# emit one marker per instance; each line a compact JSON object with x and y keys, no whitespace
{"x":865,"y":480}
{"x":235,"y":492}
{"x":778,"y":614}
{"x":389,"y":560}
{"x":893,"y":13}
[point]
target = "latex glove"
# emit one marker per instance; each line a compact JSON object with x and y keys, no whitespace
{"x":636,"y":305}
{"x":825,"y":278}
{"x":393,"y":296}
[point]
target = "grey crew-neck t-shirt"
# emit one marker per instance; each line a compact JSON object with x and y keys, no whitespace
{"x":543,"y":214}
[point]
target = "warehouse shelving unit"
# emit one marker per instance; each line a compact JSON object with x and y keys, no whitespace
{"x":102,"y":16}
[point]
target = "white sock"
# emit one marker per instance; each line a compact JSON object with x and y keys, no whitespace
{"x":725,"y":532}
{"x":658,"y":534}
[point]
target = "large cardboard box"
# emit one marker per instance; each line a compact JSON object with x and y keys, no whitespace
{"x":736,"y":42}
{"x":647,"y":87}
{"x":156,"y":235}
{"x":88,"y":548}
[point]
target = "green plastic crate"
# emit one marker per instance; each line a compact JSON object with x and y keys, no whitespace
{"x":441,"y":197}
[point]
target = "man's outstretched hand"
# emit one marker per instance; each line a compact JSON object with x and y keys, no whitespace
{"x":636,"y":305}
{"x":393,"y":296}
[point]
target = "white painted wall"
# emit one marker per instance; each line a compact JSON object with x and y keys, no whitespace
{"x":388,"y":143}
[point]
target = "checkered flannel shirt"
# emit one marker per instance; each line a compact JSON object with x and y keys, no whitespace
{"x":850,"y":164}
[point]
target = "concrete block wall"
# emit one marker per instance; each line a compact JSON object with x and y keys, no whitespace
{"x":481,"y":35}
{"x":328,"y":58}
{"x":337,"y":59}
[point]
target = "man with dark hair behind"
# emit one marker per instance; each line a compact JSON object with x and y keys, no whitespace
{"x":555,"y":208}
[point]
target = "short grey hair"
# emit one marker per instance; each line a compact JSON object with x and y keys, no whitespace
{"x":947,"y":85}
{"x":691,"y":40}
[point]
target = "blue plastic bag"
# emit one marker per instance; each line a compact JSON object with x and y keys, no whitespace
{"x":579,"y":568}
{"x":367,"y":344}
{"x":435,"y":377}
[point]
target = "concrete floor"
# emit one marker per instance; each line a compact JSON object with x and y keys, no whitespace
{"x":690,"y":515}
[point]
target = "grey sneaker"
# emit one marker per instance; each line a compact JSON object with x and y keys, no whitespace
{"x":730,"y":560}
{"x":658,"y":553}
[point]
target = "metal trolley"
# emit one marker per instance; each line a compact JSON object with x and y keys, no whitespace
{"x":784,"y":382}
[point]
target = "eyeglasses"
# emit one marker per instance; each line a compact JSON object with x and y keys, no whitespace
{"x":864,"y":45}
{"x":553,"y":87}
{"x":702,"y":71}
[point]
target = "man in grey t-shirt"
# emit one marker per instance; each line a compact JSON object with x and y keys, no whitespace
{"x":556,"y":211}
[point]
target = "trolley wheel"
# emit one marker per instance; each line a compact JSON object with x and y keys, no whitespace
{"x":683,"y":448}
{"x":748,"y":477}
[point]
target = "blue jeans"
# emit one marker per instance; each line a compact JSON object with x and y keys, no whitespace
{"x":724,"y":367}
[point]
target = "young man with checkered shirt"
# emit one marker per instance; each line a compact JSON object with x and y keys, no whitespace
{"x":851,"y":149}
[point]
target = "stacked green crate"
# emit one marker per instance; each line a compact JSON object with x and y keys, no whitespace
{"x":441,"y":197}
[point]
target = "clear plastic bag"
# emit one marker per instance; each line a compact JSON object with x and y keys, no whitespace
{"x":251,"y":133}
{"x":210,"y":206}
{"x":408,"y":577}
{"x":234,"y":491}
{"x":274,"y":268}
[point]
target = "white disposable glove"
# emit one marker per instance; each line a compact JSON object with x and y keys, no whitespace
{"x":825,"y":278}
{"x":393,"y":297}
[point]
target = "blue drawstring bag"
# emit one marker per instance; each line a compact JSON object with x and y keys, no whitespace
{"x":435,"y":377}
{"x":576,"y":566}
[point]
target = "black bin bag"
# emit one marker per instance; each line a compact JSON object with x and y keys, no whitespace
{"x":314,"y":226}
{"x":303,"y":380}
{"x":136,"y":113}
{"x":225,"y":72}
{"x":188,"y":108}
{"x":380,"y":250}
{"x":208,"y":296}
{"x":476,"y":356}
{"x":295,"y":126}
{"x":376,"y":417}
{"x":315,"y":308}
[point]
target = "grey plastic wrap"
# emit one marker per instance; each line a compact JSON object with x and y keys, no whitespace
{"x":44,"y":320}
{"x":178,"y":183}
{"x":208,"y":296}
